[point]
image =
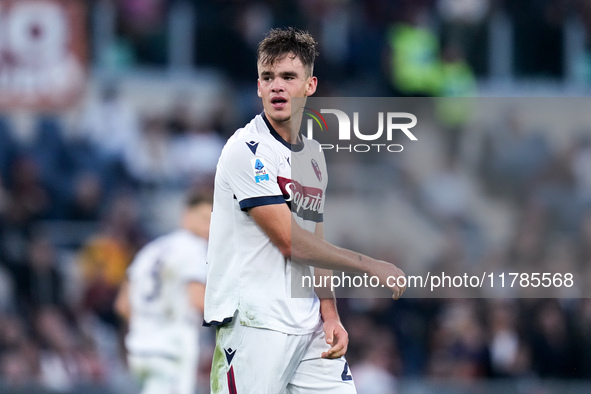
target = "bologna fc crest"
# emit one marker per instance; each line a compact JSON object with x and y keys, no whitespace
{"x":317,"y":170}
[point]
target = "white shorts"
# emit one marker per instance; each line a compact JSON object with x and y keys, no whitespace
{"x":251,"y":360}
{"x":163,"y":375}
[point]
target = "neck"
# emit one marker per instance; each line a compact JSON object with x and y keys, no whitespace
{"x":288,"y":130}
{"x":283,"y":129}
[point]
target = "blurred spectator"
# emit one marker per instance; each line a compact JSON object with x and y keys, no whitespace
{"x":460,"y":350}
{"x":122,"y":221}
{"x":413,"y":61}
{"x":3,"y":202}
{"x":583,"y":10}
{"x":469,"y":352}
{"x":509,"y":355}
{"x":255,"y":21}
{"x":330,"y":23}
{"x":149,"y":159}
{"x":64,"y":362}
{"x":7,"y":299}
{"x":583,"y":239}
{"x":14,"y":235}
{"x":581,"y":169}
{"x":3,"y":207}
{"x":526,"y":247}
{"x":30,"y":200}
{"x":8,"y":148}
{"x":555,"y":191}
{"x":447,"y":193}
{"x":367,"y":45}
{"x":15,"y":369}
{"x":448,"y":196}
{"x":412,"y":52}
{"x":54,"y":162}
{"x":196,"y":155}
{"x":19,"y":364}
{"x":553,"y":344}
{"x":180,"y":116}
{"x":13,"y":332}
{"x":373,"y":372}
{"x":228,"y":25}
{"x":110,"y":124}
{"x":457,"y":80}
{"x":103,"y":262}
{"x":539,"y":36}
{"x":584,"y":330}
{"x":88,"y":198}
{"x":560,"y":255}
{"x":464,"y":27}
{"x":105,"y":257}
{"x":195,"y":144}
{"x":514,"y":156}
{"x":142,"y":24}
{"x":26,"y":202}
{"x":39,"y":280}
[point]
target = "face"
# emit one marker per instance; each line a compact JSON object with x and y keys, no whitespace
{"x":277,"y":84}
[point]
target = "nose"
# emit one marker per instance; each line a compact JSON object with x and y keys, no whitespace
{"x":277,"y":85}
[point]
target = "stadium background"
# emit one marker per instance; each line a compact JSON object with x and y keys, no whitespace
{"x":110,"y":110}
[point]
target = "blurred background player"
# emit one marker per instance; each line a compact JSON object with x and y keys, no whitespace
{"x":163,"y":300}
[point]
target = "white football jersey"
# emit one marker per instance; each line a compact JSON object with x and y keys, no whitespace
{"x":163,"y":321}
{"x":247,"y":272}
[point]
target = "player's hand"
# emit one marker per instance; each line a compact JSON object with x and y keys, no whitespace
{"x":388,"y":274}
{"x":337,"y":337}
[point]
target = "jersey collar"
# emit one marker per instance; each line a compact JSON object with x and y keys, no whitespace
{"x":293,"y":147}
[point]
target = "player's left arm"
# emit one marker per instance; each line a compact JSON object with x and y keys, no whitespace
{"x":336,"y":335}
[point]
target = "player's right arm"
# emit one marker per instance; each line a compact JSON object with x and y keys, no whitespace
{"x":304,"y":247}
{"x":122,"y":303}
{"x":253,"y":179}
{"x":196,"y":292}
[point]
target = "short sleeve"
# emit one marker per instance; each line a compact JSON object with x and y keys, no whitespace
{"x":252,"y":177}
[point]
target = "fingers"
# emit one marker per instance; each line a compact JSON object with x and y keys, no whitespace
{"x":337,"y":350}
{"x":337,"y":337}
{"x":397,"y":290}
{"x":398,"y":293}
{"x":390,"y":276}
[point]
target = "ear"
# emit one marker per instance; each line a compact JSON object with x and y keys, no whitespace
{"x":259,"y":88}
{"x":311,"y":86}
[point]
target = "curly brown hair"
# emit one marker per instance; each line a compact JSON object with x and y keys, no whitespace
{"x":281,"y":42}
